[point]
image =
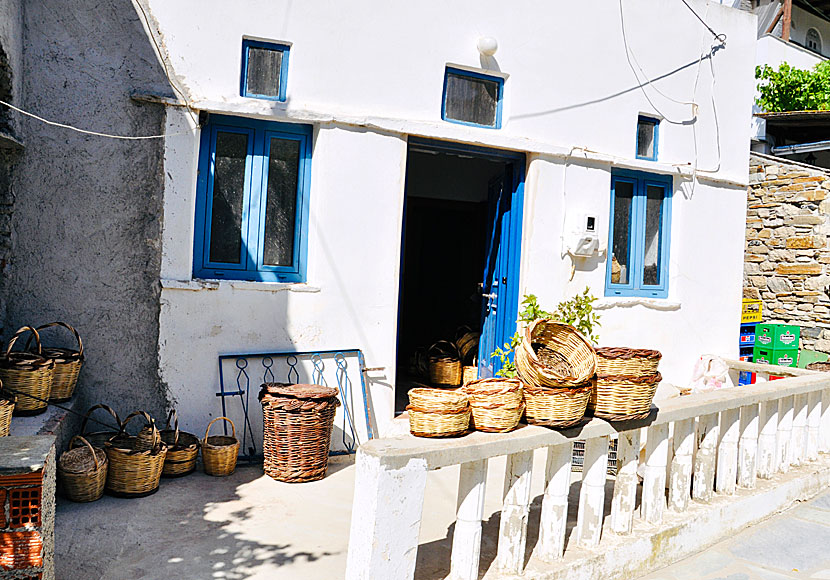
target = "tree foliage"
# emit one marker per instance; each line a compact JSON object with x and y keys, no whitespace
{"x":793,"y":89}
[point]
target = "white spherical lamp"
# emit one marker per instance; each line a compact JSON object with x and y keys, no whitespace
{"x":487,"y":45}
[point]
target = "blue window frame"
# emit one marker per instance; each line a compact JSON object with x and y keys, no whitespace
{"x":472,"y":98}
{"x":639,"y":235}
{"x":648,"y":129}
{"x":264,"y":69}
{"x":252,"y":200}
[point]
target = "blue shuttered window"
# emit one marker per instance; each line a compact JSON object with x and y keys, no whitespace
{"x":264,"y":69}
{"x":472,"y":98}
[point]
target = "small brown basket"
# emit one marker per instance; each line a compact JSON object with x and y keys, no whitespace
{"x":6,"y":410}
{"x":629,"y":362}
{"x":444,"y":364}
{"x":67,"y":364}
{"x":438,"y":412}
{"x":219,"y":452}
{"x":554,"y":355}
{"x":557,"y":408}
{"x":496,"y":404}
{"x":82,"y":471}
{"x":134,"y":472}
{"x":620,"y":398}
{"x":182,"y":449}
{"x":27,"y":375}
{"x":298,"y":421}
{"x":100,"y":438}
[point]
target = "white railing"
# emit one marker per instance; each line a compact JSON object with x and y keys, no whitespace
{"x":720,"y":440}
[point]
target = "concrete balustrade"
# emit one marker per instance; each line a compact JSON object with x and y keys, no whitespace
{"x":698,"y":449}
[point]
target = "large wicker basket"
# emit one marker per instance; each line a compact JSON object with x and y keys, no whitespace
{"x":620,"y":398}
{"x":497,"y":405}
{"x":557,"y":408}
{"x":27,"y":375}
{"x":67,"y":364}
{"x":219,"y":452}
{"x":629,"y":362}
{"x":444,"y":364}
{"x":297,"y":425}
{"x":438,"y":412}
{"x":134,"y":472}
{"x":182,"y":449}
{"x":554,"y":355}
{"x":100,"y":438}
{"x":82,"y":471}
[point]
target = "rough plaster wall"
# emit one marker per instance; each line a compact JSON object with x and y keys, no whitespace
{"x":87,"y":215}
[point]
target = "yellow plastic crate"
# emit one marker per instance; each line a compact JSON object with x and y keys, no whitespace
{"x":751,"y":311}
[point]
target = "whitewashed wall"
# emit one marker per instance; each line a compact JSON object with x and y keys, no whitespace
{"x":369,"y":74}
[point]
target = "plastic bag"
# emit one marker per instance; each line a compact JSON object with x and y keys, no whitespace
{"x":710,"y":374}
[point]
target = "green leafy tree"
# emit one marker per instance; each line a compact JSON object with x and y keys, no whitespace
{"x":792,"y":89}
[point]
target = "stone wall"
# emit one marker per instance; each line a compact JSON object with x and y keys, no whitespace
{"x":787,"y":250}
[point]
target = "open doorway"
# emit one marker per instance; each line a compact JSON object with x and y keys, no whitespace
{"x":460,"y":252}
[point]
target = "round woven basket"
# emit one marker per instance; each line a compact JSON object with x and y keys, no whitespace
{"x":554,"y":355}
{"x":438,"y":400}
{"x":67,"y":364}
{"x":82,"y":471}
{"x":100,"y":438}
{"x":620,"y":398}
{"x":469,"y":374}
{"x":182,"y":449}
{"x":467,"y":344}
{"x":133,"y":472}
{"x":629,"y":362}
{"x":297,"y":421}
{"x":444,"y":364}
{"x":496,"y":404}
{"x":438,"y":412}
{"x":6,"y":410}
{"x":28,"y":375}
{"x":219,"y":452}
{"x":557,"y":408}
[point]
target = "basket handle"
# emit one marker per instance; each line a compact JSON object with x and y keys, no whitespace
{"x":150,"y":422}
{"x":175,"y":416}
{"x":453,"y":350}
{"x":233,"y":427}
{"x":17,"y":335}
{"x":91,"y":449}
{"x":461,"y":331}
{"x":65,"y":325}
{"x":106,"y":408}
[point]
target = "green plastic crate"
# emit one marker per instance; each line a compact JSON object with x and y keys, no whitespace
{"x":777,"y":336}
{"x":783,"y":357}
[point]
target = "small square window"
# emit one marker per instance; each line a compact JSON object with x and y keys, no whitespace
{"x":264,"y":69}
{"x":472,"y":98}
{"x":647,"y":138}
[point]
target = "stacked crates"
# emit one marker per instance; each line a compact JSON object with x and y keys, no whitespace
{"x":776,"y":344}
{"x":750,"y":317}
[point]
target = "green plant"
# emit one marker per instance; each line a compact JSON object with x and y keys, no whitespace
{"x":793,"y":89}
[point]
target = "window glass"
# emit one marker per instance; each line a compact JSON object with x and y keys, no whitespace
{"x":263,"y":72}
{"x":281,"y":201}
{"x":813,"y":40}
{"x":646,"y":145}
{"x":620,"y":260}
{"x":471,"y":99}
{"x":227,"y":198}
{"x":654,"y":231}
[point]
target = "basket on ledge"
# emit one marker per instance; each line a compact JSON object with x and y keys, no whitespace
{"x":68,"y":364}
{"x":622,"y":398}
{"x":554,"y":355}
{"x":28,"y":375}
{"x":438,"y":412}
{"x":630,"y":362}
{"x":496,"y":404}
{"x":444,"y":364}
{"x":557,"y":408}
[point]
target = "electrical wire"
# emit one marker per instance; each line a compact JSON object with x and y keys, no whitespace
{"x":719,"y":37}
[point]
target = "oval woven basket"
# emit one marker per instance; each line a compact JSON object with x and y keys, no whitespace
{"x":630,"y":362}
{"x":82,"y":471}
{"x":297,"y":426}
{"x":133,"y":472}
{"x":68,"y":364}
{"x":219,"y":452}
{"x":496,"y":404}
{"x":438,"y":423}
{"x":182,"y":449}
{"x":6,"y":410}
{"x":557,"y":408}
{"x":554,"y":355}
{"x":620,"y":398}
{"x":27,"y":375}
{"x":100,"y":438}
{"x":438,"y":400}
{"x":444,"y":364}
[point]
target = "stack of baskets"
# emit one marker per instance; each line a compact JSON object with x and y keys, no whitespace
{"x":182,"y":449}
{"x":28,"y":375}
{"x":496,"y":404}
{"x":627,"y":379}
{"x":438,"y":412}
{"x":557,"y":365}
{"x":68,"y":364}
{"x":444,"y":364}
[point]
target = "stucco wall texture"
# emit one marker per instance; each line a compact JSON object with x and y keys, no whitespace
{"x":87,"y":212}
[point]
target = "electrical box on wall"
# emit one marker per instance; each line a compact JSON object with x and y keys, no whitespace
{"x":581,"y":239}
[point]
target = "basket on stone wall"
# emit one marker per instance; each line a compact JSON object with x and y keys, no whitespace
{"x":496,"y":404}
{"x":467,"y":344}
{"x":219,"y":452}
{"x":28,"y":375}
{"x":438,"y":412}
{"x":135,"y":463}
{"x":297,"y":425}
{"x":623,"y":398}
{"x":67,"y":364}
{"x":82,"y":471}
{"x":631,"y":362}
{"x":7,"y":401}
{"x":819,"y":366}
{"x":557,"y":408}
{"x":100,"y":438}
{"x":182,"y":449}
{"x":555,"y":355}
{"x":444,"y":364}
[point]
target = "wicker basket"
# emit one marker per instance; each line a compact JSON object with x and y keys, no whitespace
{"x":469,"y":374}
{"x":819,"y":366}
{"x":554,"y":355}
{"x":27,"y":375}
{"x":620,"y":398}
{"x":182,"y":449}
{"x":497,"y":404}
{"x":467,"y":344}
{"x":100,"y":438}
{"x":444,"y":364}
{"x":297,"y":420}
{"x":557,"y":408}
{"x":135,"y":473}
{"x":67,"y":364}
{"x":219,"y":452}
{"x":629,"y":362}
{"x":82,"y":471}
{"x":438,"y":412}
{"x":6,"y":411}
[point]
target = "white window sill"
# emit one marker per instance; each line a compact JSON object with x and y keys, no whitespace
{"x":630,"y":301}
{"x":199,"y":285}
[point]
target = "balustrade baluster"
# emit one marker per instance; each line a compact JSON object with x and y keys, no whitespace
{"x":704,"y":466}
{"x":654,"y":479}
{"x":783,"y":441}
{"x":813,"y":424}
{"x":554,"y":517}
{"x":798,"y":443}
{"x":680,"y":479}
{"x":767,"y":447}
{"x":592,"y":492}
{"x":466,"y":542}
{"x":625,"y":488}
{"x":748,"y":447}
{"x":514,"y":512}
{"x":824,"y":426}
{"x":727,"y":463}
